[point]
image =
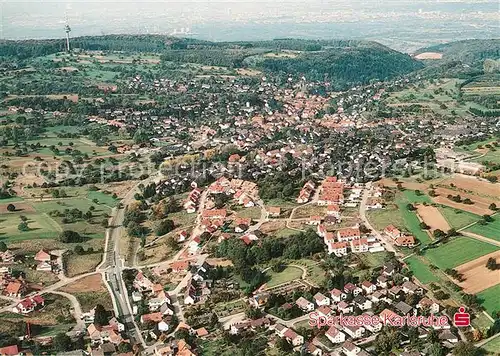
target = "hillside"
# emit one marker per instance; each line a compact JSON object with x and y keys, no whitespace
{"x":342,"y":62}
{"x":467,"y":51}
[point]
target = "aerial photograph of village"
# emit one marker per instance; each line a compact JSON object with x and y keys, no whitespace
{"x":236,"y":178}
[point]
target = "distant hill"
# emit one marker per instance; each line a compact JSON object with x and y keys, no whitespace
{"x":467,"y":51}
{"x":342,"y":62}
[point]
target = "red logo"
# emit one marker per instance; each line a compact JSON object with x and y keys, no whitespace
{"x":461,"y":319}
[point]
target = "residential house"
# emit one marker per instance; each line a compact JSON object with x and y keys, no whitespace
{"x":292,"y":337}
{"x":344,"y":308}
{"x":411,"y":288}
{"x":392,"y":231}
{"x":333,"y":210}
{"x":360,"y":245}
{"x":348,"y":234}
{"x":396,"y":292}
{"x":404,"y":308}
{"x":304,"y":304}
{"x":15,"y":289}
{"x":274,"y":211}
{"x":12,"y":350}
{"x":337,"y":248}
{"x":335,"y":335}
{"x":362,"y":302}
{"x":28,"y":305}
{"x":368,"y":287}
{"x":405,"y":241}
{"x":353,"y":289}
{"x":447,"y":335}
{"x":432,"y":306}
{"x":355,"y":331}
{"x":321,"y":299}
{"x":180,"y":266}
{"x":350,"y":349}
{"x":324,"y":311}
{"x":43,"y":256}
{"x":382,"y":281}
{"x":372,"y":327}
{"x":337,"y":295}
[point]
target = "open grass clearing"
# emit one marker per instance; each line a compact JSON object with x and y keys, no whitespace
{"x":75,"y":265}
{"x":289,"y":274}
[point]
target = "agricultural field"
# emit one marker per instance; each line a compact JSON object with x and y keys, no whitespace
{"x":432,"y":217}
{"x":491,"y":230}
{"x":457,"y":251}
{"x":477,"y":277}
{"x":490,"y":300}
{"x":411,"y":221}
{"x":457,"y":219}
{"x":421,"y":269}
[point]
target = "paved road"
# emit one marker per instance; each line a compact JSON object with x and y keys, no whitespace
{"x":386,"y":241}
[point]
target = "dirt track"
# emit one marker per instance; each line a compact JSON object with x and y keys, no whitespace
{"x":477,"y":276}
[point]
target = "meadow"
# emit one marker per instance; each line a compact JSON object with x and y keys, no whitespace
{"x":458,"y":251}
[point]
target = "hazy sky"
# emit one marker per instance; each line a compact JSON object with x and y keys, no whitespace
{"x":385,"y":20}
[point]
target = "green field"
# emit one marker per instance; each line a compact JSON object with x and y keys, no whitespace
{"x":69,"y":203}
{"x":91,"y":229}
{"x":103,"y":198}
{"x":492,"y":346}
{"x":457,"y":218}
{"x":421,"y":270}
{"x":458,"y":251}
{"x":41,"y":227}
{"x":414,"y":198}
{"x":411,"y":220}
{"x":490,"y":299}
{"x":491,"y":230}
{"x":288,"y":274}
{"x":380,"y":218}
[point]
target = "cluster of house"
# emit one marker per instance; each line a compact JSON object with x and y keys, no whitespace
{"x":198,"y":286}
{"x":399,"y":238}
{"x":348,"y":239}
{"x":193,"y":199}
{"x":243,"y":192}
{"x":281,"y":331}
{"x":29,"y":304}
{"x":105,"y":337}
{"x":359,"y":299}
{"x":157,"y":301}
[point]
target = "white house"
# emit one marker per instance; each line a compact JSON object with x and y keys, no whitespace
{"x":304,"y":304}
{"x":368,"y":287}
{"x":354,"y":331}
{"x":335,"y":335}
{"x":337,"y":295}
{"x":321,"y":299}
